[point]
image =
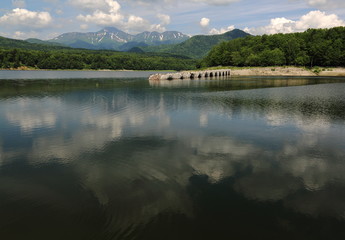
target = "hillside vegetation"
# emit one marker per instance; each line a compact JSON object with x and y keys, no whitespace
{"x":17,"y":53}
{"x":314,"y":47}
{"x":31,"y":44}
{"x":197,"y":46}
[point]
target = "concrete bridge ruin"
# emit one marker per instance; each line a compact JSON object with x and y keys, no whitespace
{"x":191,"y":75}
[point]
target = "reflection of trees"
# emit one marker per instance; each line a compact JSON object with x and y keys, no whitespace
{"x":319,"y":104}
{"x":242,"y":83}
{"x":43,"y":87}
{"x":308,"y":108}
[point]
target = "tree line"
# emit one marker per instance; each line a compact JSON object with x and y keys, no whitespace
{"x":88,"y":59}
{"x":197,"y":46}
{"x":314,"y":47}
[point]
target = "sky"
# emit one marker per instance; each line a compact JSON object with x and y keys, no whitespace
{"x":46,"y":19}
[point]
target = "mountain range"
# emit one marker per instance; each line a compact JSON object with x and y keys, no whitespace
{"x":114,"y":39}
{"x":169,"y":43}
{"x":197,"y":46}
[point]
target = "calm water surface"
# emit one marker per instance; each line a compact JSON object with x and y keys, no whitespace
{"x":246,"y":158}
{"x":65,"y":74}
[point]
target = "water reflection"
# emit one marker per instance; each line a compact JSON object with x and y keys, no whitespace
{"x":132,"y":161}
{"x":29,"y":114}
{"x":66,"y":74}
{"x":240,"y":83}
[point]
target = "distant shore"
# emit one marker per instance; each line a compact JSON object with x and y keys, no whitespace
{"x":37,"y":69}
{"x":250,"y":71}
{"x":288,"y":71}
{"x":96,"y":70}
{"x":236,"y":71}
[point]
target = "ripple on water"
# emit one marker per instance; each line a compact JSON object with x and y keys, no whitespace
{"x":130,"y":163}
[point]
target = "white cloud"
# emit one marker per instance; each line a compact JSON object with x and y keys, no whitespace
{"x":20,"y":18}
{"x":216,"y":2}
{"x":84,"y":26}
{"x":222,"y":30}
{"x":101,"y":18}
{"x":136,"y":23}
{"x":107,"y":13}
{"x":165,"y":19}
{"x":18,"y":35}
{"x":157,"y":28}
{"x":326,"y":4}
{"x":21,"y":34}
{"x":175,"y":2}
{"x":132,"y":23}
{"x":314,"y":19}
{"x":18,"y":3}
{"x":93,"y":5}
{"x":204,"y":22}
{"x":59,"y":11}
{"x":104,"y":12}
{"x":317,"y":19}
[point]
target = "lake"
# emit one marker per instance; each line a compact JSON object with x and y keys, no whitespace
{"x":89,"y":156}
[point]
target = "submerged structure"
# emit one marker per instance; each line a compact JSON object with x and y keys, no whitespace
{"x":191,"y":74}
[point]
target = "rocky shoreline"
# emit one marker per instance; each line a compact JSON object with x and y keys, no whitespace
{"x":289,"y":71}
{"x":255,"y":71}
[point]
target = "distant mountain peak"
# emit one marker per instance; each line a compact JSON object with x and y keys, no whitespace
{"x":199,"y":45}
{"x":111,"y":30}
{"x":114,"y":38}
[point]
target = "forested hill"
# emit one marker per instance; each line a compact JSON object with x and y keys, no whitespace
{"x":39,"y":41}
{"x":197,"y":46}
{"x":314,"y":47}
{"x":18,"y":53}
{"x":9,"y":43}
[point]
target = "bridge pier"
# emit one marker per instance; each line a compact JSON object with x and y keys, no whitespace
{"x":191,"y":75}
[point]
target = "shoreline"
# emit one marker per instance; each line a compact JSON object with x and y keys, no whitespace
{"x":289,"y":71}
{"x":76,"y":70}
{"x":218,"y":72}
{"x":235,"y":71}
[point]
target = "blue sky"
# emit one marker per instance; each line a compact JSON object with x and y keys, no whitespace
{"x":46,"y":19}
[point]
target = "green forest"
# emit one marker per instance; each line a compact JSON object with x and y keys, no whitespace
{"x":19,"y":53}
{"x":314,"y":47}
{"x":87,"y":59}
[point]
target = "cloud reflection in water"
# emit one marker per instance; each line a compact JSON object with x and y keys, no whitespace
{"x":138,"y":152}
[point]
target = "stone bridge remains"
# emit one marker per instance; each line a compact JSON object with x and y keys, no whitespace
{"x":191,"y":75}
